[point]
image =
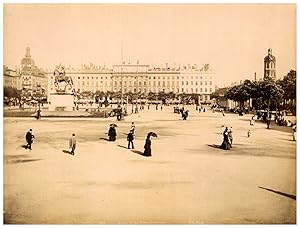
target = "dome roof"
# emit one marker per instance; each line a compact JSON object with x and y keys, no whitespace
{"x":269,"y":57}
{"x":27,"y":60}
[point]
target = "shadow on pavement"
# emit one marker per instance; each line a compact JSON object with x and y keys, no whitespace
{"x":67,"y":152}
{"x":214,"y":146}
{"x":15,"y":156}
{"x":104,"y":139}
{"x":138,"y":152}
{"x":14,"y":159}
{"x":122,"y":146}
{"x":280,"y":193}
{"x":22,"y":161}
{"x":133,"y":150}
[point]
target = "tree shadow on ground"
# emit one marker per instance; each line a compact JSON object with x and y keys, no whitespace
{"x":67,"y":152}
{"x":280,"y":193}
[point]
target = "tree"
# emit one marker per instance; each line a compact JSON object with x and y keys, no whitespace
{"x":152,"y":96}
{"x":240,"y":93}
{"x":219,"y":93}
{"x":99,"y":95}
{"x":269,"y":93}
{"x":11,"y":92}
{"x":288,"y":84}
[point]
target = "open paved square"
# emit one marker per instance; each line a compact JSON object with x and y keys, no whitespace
{"x":186,"y":180}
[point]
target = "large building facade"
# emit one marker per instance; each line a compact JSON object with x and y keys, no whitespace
{"x":142,"y":78}
{"x":11,"y":78}
{"x":27,"y":76}
{"x":32,"y":77}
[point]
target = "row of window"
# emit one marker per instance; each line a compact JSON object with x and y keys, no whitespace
{"x":270,"y":65}
{"x":154,"y":83}
{"x":144,"y":83}
{"x":187,"y":90}
{"x":154,"y":77}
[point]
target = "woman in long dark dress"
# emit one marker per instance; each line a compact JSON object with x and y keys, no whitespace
{"x":226,"y":144}
{"x":112,"y":133}
{"x":147,"y":146}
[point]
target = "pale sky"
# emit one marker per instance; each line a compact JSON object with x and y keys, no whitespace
{"x":232,"y":38}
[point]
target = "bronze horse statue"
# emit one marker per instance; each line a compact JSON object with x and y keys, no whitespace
{"x":61,"y":77}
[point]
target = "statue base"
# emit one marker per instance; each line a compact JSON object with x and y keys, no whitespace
{"x":61,"y":102}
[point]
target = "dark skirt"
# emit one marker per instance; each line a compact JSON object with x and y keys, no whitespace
{"x":147,"y":147}
{"x":112,"y":138}
{"x":225,"y":145}
{"x":147,"y":152}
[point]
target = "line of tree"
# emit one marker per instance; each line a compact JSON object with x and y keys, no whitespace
{"x":151,"y":96}
{"x":266,"y":94}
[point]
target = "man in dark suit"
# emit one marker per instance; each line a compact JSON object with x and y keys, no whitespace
{"x":130,"y":139}
{"x":29,"y":139}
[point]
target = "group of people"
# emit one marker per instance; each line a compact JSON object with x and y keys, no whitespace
{"x":112,"y":134}
{"x":184,"y":113}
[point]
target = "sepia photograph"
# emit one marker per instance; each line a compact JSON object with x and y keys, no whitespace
{"x":139,"y":113}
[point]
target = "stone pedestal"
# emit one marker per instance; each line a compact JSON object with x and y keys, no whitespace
{"x":61,"y":102}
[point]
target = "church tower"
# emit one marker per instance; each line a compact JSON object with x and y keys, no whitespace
{"x":270,"y":65}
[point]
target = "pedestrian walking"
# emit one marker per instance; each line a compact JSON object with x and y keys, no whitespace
{"x":147,"y":146}
{"x":38,"y":114}
{"x":130,"y":138}
{"x":268,"y":120}
{"x":132,"y":128}
{"x":249,"y":133}
{"x":225,"y":144}
{"x":29,"y":139}
{"x":112,"y":133}
{"x":223,"y":112}
{"x":252,"y":121}
{"x":230,"y":136}
{"x":161,"y":108}
{"x":72,"y":144}
{"x":185,"y":115}
{"x":295,"y":132}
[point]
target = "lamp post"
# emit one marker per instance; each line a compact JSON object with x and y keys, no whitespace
{"x":121,"y":75}
{"x":122,"y":87}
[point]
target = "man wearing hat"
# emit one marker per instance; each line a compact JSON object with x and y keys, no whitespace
{"x":29,"y":139}
{"x":72,"y":144}
{"x":130,"y":138}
